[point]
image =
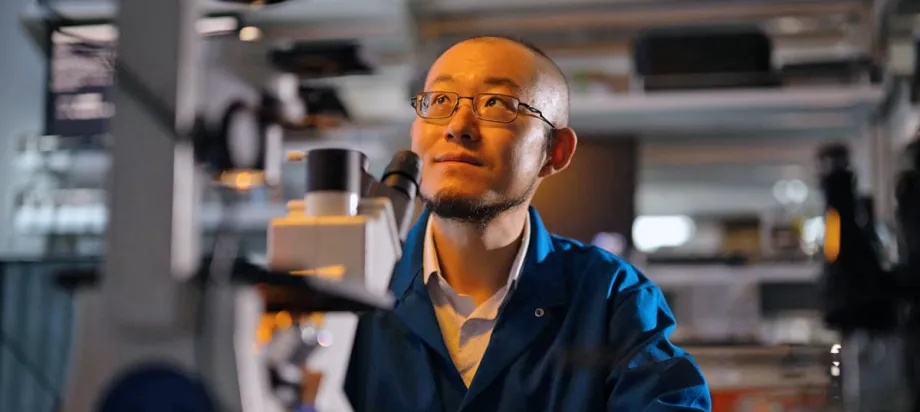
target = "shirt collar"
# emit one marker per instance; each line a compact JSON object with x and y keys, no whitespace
{"x":430,"y":264}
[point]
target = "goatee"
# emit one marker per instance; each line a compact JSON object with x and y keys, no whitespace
{"x":472,"y":210}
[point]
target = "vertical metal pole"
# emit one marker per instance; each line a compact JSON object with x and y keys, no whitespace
{"x":152,"y":241}
{"x":861,"y":156}
{"x":880,"y":17}
{"x":882,"y":173}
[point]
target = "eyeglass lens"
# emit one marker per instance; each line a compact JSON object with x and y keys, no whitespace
{"x":494,"y":107}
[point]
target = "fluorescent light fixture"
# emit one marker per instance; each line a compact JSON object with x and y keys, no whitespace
{"x":653,"y":232}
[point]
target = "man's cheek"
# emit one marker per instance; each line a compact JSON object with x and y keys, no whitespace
{"x":416,"y":135}
{"x":414,"y":144}
{"x":523,"y":159}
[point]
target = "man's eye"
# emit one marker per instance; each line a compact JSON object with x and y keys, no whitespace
{"x":498,"y":101}
{"x":441,"y":99}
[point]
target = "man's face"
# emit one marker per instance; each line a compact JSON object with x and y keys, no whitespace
{"x":474,"y":169}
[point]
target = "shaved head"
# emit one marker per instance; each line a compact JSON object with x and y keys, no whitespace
{"x":554,"y":87}
{"x":553,"y":97}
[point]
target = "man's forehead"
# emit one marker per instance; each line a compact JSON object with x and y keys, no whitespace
{"x":485,"y":63}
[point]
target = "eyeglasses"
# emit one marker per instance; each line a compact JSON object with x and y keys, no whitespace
{"x":486,"y":106}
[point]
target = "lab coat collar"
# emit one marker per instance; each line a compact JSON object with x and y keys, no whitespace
{"x":410,"y":266}
{"x":537,"y":302}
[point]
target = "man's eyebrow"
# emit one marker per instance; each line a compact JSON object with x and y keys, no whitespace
{"x":502,"y":81}
{"x":442,"y":78}
{"x":489,"y":81}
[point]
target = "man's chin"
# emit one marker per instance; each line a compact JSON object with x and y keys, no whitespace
{"x":468,"y":208}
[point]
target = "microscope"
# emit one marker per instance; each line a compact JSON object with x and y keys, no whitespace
{"x":871,"y":302}
{"x":162,"y":326}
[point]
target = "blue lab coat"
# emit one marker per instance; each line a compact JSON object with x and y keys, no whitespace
{"x":588,"y":300}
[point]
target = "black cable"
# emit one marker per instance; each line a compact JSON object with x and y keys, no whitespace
{"x":43,"y":381}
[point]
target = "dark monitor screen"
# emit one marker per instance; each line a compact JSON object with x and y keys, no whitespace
{"x":79,"y":101}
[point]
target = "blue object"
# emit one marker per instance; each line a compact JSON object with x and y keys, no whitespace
{"x":569,"y":297}
{"x":156,"y":388}
{"x":307,"y":408}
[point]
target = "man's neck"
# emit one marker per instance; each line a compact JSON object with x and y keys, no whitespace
{"x":475,"y":259}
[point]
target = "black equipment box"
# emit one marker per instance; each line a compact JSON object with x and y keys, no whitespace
{"x":704,"y":59}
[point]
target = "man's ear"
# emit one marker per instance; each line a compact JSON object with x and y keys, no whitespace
{"x":560,"y":154}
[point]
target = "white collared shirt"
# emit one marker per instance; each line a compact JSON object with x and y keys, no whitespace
{"x":466,"y":329}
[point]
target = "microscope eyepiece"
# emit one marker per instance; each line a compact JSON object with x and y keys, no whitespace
{"x":399,"y":183}
{"x":335,"y":181}
{"x":403,"y":173}
{"x":335,"y":170}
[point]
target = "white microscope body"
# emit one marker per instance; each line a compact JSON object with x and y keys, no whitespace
{"x":336,"y":234}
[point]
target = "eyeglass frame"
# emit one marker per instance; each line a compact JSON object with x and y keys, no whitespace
{"x":415,"y":100}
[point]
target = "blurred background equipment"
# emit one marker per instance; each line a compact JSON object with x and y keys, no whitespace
{"x":701,"y":170}
{"x":863,"y":299}
{"x":320,"y":59}
{"x":686,"y":59}
{"x":159,"y":326}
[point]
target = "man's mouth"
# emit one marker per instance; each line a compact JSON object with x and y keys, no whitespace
{"x":459,"y":158}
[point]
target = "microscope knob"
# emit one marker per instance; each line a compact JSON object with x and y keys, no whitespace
{"x":296,"y":155}
{"x":156,"y":388}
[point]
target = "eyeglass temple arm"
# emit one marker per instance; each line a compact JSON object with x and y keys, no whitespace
{"x":536,"y":111}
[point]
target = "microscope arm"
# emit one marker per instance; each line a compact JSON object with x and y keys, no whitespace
{"x":307,"y":294}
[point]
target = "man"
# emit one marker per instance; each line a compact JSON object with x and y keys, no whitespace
{"x":491,"y":309}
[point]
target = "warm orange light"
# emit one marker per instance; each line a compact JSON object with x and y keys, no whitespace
{"x":265,"y":330}
{"x":243,"y":181}
{"x":831,"y":235}
{"x":296,"y":156}
{"x":283,"y":320}
{"x":316,"y":319}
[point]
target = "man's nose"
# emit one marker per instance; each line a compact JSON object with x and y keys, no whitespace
{"x":463,"y":125}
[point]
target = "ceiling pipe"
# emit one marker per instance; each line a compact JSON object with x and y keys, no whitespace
{"x":632,"y":18}
{"x":339,"y":31}
{"x":826,"y":38}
